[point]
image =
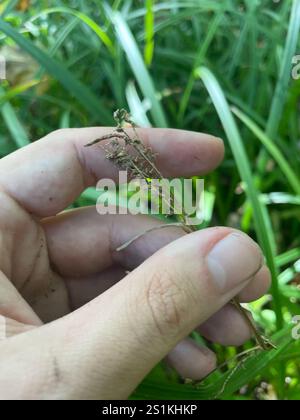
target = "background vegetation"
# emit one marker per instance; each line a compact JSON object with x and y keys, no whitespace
{"x":222,"y":67}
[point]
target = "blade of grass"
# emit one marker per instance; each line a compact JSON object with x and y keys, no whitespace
{"x":16,"y":90}
{"x":169,"y":23}
{"x":136,"y":107}
{"x":61,"y":37}
{"x":138,"y":67}
{"x":65,"y":119}
{"x":149,"y":33}
{"x":251,"y":367}
{"x":239,"y":46}
{"x":13,"y":124}
{"x":175,"y":6}
{"x":281,"y":90}
{"x":280,"y":198}
{"x":261,"y":219}
{"x":7,"y":7}
{"x":216,"y":385}
{"x":288,"y":257}
{"x":116,"y":6}
{"x":272,"y":149}
{"x":88,"y":100}
{"x":84,"y":18}
{"x":199,"y":60}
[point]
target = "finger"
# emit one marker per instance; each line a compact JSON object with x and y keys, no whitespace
{"x":46,"y":176}
{"x":9,"y":327}
{"x":148,"y":312}
{"x":258,"y":286}
{"x":91,"y":265}
{"x":191,"y":360}
{"x":226,"y":327}
{"x":99,"y":237}
{"x":13,"y":305}
{"x":84,"y":289}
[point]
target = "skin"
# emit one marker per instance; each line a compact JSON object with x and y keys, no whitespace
{"x":75,"y":324}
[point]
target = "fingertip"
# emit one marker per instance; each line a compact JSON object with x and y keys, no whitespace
{"x":227,"y":327}
{"x":184,"y":153}
{"x":191,"y":360}
{"x":258,"y":287}
{"x":219,"y":149}
{"x":211,"y":153}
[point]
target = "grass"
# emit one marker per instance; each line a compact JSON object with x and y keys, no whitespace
{"x":260,"y":215}
{"x":218,"y":67}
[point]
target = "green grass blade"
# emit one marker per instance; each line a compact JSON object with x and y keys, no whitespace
{"x":136,"y":107}
{"x":17,"y":90}
{"x":84,"y":18}
{"x":198,"y":61}
{"x":13,"y":124}
{"x":88,"y":100}
{"x":272,"y":149}
{"x":7,"y":7}
{"x":288,"y":257}
{"x":149,"y":33}
{"x":251,"y":367}
{"x":138,"y":67}
{"x":280,"y":198}
{"x":61,"y":37}
{"x":281,"y":90}
{"x":65,"y":119}
{"x":262,"y":224}
{"x":222,"y":386}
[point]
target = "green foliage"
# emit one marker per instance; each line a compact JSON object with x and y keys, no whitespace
{"x":222,"y":67}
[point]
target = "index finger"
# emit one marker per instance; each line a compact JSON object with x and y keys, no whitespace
{"x":48,"y":175}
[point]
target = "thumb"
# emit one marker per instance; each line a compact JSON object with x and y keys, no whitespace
{"x":112,"y":343}
{"x":145,"y":315}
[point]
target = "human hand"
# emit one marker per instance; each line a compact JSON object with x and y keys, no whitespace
{"x":74,"y":325}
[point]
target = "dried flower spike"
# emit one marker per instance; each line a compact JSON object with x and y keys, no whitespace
{"x":130,"y":154}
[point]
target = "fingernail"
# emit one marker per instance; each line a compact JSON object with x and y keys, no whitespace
{"x":233,"y":260}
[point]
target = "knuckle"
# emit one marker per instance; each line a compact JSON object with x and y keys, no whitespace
{"x":60,"y":132}
{"x":166,"y":301}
